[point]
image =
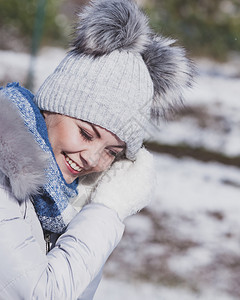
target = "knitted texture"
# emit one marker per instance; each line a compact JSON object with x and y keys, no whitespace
{"x":52,"y":203}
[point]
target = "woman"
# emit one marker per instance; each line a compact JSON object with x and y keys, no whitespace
{"x":89,"y":117}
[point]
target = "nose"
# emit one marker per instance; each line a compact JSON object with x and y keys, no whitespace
{"x":90,"y":157}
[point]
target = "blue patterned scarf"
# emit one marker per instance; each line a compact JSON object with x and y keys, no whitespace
{"x":52,"y":203}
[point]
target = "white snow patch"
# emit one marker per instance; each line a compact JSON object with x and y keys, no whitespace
{"x":119,"y":290}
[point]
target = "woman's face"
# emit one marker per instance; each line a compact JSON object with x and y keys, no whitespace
{"x":80,"y":147}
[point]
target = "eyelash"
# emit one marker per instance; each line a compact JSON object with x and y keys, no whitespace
{"x":88,"y":138}
{"x":85,"y":135}
{"x":112,"y":153}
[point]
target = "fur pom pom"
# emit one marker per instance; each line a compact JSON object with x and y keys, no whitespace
{"x":108,"y":25}
{"x":171,"y":72}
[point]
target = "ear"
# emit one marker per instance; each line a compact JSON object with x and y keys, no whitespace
{"x":46,"y":113}
{"x":51,"y":118}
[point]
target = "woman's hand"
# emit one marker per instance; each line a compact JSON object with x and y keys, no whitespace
{"x":127,"y":186}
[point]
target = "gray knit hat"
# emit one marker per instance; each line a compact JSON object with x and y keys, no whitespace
{"x":118,"y":75}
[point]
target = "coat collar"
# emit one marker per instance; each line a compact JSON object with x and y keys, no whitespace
{"x":22,"y":162}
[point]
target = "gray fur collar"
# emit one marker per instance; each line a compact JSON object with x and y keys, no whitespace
{"x":22,"y":162}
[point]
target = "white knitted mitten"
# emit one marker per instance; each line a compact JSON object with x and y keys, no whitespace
{"x":127,"y":186}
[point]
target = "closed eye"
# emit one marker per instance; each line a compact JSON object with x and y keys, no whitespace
{"x":114,"y":153}
{"x":86,"y":136}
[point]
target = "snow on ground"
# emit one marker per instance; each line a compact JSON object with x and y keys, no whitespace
{"x":213,"y":119}
{"x":118,"y":290}
{"x":15,"y":66}
{"x":185,"y":245}
{"x":187,"y":241}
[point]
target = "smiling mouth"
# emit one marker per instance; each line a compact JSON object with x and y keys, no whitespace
{"x":74,"y":166}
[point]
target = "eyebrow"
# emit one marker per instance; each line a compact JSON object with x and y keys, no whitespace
{"x":95,"y":130}
{"x":117,"y":146}
{"x":99,"y":136}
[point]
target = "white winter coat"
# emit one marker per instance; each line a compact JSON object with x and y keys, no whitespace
{"x":71,"y":270}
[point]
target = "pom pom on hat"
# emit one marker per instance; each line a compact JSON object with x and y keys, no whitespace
{"x":105,"y":26}
{"x":171,"y":72}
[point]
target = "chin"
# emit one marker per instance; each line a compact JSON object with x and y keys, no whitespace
{"x":69,"y":180}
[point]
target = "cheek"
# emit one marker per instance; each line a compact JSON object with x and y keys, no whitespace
{"x":69,"y":142}
{"x":56,"y":136}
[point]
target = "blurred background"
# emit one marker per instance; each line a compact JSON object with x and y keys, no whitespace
{"x":186,"y":244}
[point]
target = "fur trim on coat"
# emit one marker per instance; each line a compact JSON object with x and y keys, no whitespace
{"x":22,"y":162}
